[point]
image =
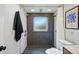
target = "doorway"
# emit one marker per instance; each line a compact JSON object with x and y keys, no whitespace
{"x":40,"y":27}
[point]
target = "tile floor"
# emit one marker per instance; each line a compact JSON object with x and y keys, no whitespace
{"x":34,"y":50}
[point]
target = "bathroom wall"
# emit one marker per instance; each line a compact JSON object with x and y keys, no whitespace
{"x":71,"y":35}
{"x":55,"y":21}
{"x":7,"y":12}
{"x":59,"y":26}
{"x":24,"y":35}
{"x":1,"y":24}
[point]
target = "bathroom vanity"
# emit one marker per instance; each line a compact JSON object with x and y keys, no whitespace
{"x":65,"y":51}
{"x":71,"y":49}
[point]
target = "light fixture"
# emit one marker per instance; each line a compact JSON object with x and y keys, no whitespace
{"x":49,"y":10}
{"x":32,"y":10}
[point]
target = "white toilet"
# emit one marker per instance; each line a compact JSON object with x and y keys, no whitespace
{"x":60,"y":50}
{"x":53,"y":51}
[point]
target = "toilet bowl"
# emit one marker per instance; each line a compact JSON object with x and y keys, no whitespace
{"x":58,"y":50}
{"x":53,"y":51}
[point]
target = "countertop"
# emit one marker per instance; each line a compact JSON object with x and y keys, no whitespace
{"x":74,"y":49}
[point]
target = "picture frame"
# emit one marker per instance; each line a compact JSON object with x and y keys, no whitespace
{"x":72,"y":18}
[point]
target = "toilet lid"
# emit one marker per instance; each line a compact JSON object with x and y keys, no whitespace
{"x":53,"y":51}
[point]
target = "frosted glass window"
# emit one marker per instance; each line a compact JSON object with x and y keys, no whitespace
{"x":40,"y":23}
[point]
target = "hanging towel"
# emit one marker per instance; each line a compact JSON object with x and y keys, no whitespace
{"x":17,"y":26}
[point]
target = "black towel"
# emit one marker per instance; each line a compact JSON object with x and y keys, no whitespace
{"x":17,"y":26}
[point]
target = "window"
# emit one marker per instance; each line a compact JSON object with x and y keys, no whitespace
{"x":40,"y":23}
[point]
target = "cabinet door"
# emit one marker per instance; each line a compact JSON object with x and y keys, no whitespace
{"x":65,"y":51}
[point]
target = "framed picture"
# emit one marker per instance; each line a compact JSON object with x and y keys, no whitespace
{"x":72,"y":18}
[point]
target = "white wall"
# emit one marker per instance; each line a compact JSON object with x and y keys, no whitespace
{"x":72,"y":35}
{"x":59,"y":26}
{"x":55,"y":21}
{"x":1,"y":24}
{"x":24,"y":35}
{"x":7,"y":13}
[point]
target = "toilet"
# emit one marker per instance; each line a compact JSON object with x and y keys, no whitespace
{"x":53,"y":51}
{"x":60,"y":50}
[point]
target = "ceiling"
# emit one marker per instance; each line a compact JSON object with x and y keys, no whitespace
{"x":40,"y":8}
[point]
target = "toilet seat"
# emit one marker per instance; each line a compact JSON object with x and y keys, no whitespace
{"x":53,"y":51}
